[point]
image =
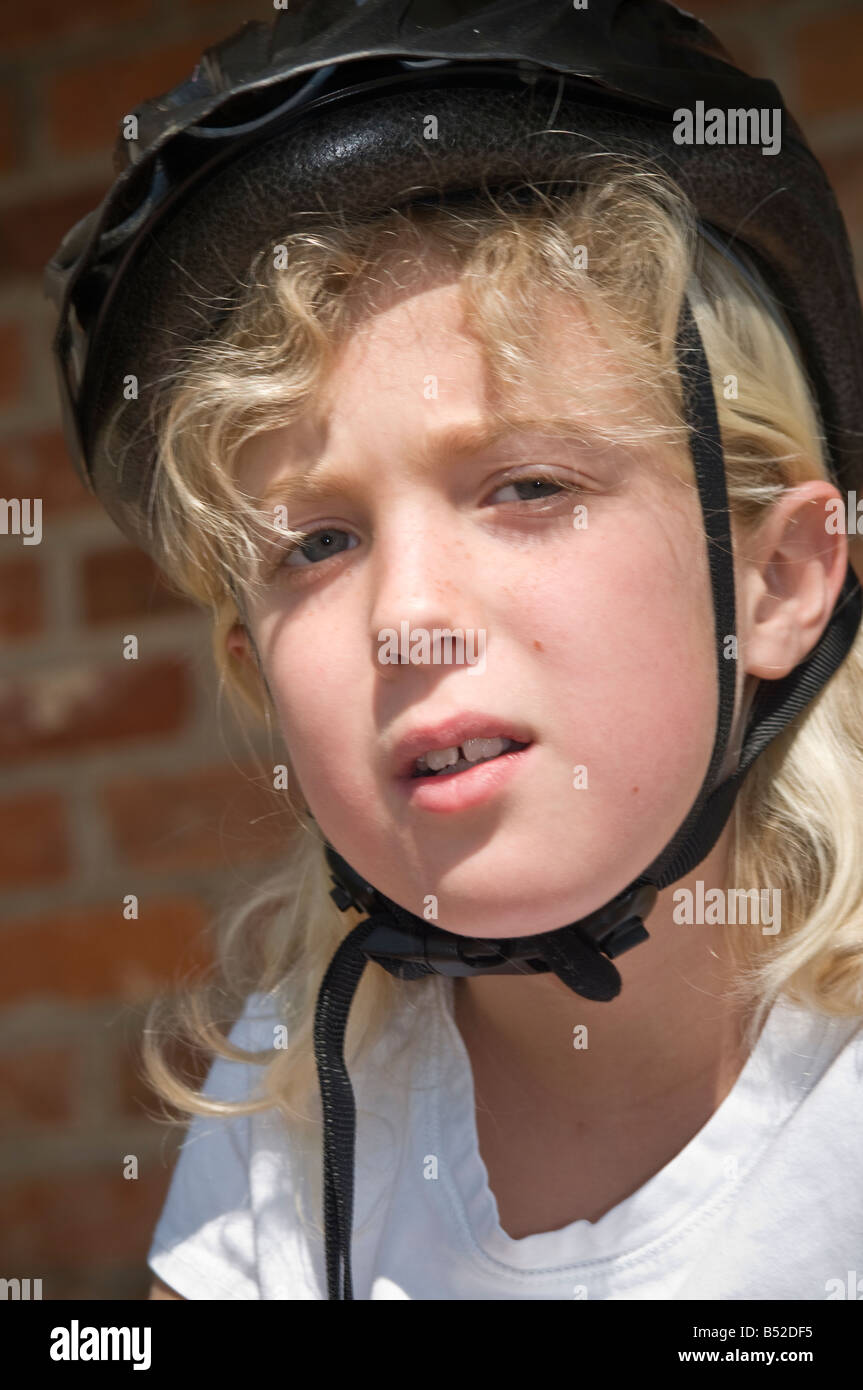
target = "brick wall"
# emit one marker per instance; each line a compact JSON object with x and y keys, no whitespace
{"x":122,"y":777}
{"x":116,"y":776}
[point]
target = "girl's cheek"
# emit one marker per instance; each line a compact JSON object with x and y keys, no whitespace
{"x":612,"y":662}
{"x":629,"y":666}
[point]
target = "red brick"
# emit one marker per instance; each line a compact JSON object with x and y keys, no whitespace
{"x":136,"y":1098}
{"x":10,"y":138}
{"x":41,"y":20}
{"x":85,"y":104}
{"x":34,"y":844}
{"x":93,"y":952}
{"x":37,"y":1085}
{"x":66,"y":1219}
{"x":827,"y":56}
{"x":30,"y":232}
{"x":714,"y":8}
{"x":243,"y":10}
{"x":113,"y":1283}
{"x":198,"y":818}
{"x":38,"y":465}
{"x":21,"y":599}
{"x":13,"y":363}
{"x":124,"y":582}
{"x":74,"y":709}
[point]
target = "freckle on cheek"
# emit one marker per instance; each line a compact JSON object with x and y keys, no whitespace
{"x":634,"y":790}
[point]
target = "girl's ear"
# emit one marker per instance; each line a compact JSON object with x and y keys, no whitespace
{"x":237,"y":642}
{"x":791,"y":577}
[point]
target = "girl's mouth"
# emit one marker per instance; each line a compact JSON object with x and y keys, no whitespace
{"x":464,"y":764}
{"x":463,"y":784}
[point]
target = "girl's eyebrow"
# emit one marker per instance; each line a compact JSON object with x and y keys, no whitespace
{"x":454,"y":441}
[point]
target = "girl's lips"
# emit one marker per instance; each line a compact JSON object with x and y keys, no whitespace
{"x":459,"y":791}
{"x":454,"y":731}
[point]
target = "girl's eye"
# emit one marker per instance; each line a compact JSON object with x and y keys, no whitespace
{"x":533,"y":482}
{"x":320,"y":545}
{"x":314,"y":545}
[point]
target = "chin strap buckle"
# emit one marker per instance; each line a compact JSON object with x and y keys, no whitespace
{"x":619,"y":925}
{"x":407,"y":945}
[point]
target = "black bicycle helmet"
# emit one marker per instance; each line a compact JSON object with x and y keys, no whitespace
{"x":321,"y":108}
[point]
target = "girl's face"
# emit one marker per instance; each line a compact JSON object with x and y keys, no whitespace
{"x":587,"y":620}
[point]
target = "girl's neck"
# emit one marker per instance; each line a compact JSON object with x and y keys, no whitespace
{"x":671,"y":1030}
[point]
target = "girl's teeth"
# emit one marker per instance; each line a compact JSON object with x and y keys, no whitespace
{"x":477,"y":748}
{"x":474,"y":749}
{"x":438,"y":758}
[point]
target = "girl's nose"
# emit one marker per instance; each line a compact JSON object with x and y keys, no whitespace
{"x":423,"y":577}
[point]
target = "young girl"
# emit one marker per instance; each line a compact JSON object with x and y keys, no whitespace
{"x":552,"y":1147}
{"x":471,"y":426}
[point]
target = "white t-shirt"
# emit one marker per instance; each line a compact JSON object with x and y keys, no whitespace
{"x":764,"y":1202}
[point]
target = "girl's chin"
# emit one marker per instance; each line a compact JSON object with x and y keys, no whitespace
{"x":527,"y":923}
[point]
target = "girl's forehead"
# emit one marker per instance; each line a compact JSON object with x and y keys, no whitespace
{"x":428,"y":345}
{"x":413,"y":363}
